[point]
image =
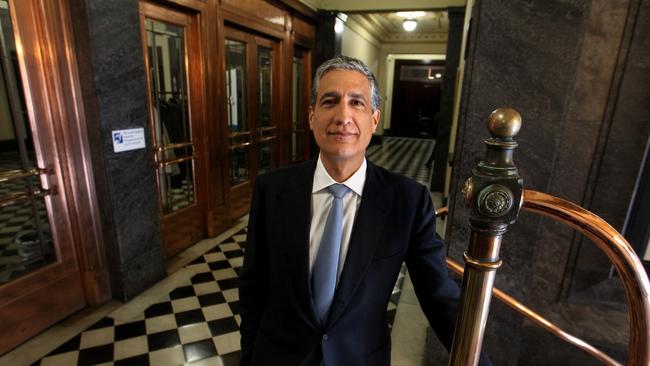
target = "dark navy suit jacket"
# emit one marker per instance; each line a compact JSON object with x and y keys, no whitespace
{"x":394,"y":223}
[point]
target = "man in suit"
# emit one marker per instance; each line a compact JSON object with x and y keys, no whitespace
{"x":295,"y":310}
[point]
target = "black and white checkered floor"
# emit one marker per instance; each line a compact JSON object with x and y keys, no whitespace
{"x":197,"y":322}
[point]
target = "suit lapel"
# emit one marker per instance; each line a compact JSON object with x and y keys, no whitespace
{"x":294,"y":204}
{"x":366,"y":233}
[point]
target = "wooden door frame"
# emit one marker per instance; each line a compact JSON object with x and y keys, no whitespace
{"x":50,"y":77}
{"x":184,"y":232}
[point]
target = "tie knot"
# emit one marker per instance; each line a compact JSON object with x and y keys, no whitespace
{"x":338,"y":190}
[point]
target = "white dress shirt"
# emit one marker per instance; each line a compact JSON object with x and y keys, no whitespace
{"x":321,"y":202}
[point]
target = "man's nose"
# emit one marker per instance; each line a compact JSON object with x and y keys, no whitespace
{"x":343,"y":114}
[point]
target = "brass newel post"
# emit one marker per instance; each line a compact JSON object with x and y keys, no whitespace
{"x":494,"y":195}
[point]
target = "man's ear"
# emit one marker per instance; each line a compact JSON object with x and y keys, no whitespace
{"x":311,"y":117}
{"x":375,"y":119}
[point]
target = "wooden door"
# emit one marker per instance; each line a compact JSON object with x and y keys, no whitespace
{"x":177,"y":116}
{"x":252,"y":91}
{"x":416,"y":98}
{"x":40,"y":277}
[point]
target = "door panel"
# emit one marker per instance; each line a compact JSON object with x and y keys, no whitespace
{"x":252,"y":91}
{"x":37,"y":249}
{"x":173,"y":58}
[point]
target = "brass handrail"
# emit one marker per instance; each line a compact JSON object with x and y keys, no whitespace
{"x":165,"y":163}
{"x":17,"y":174}
{"x":239,"y":146}
{"x":620,"y":253}
{"x":14,"y":198}
{"x":165,"y":147}
{"x":611,"y":242}
{"x":268,"y":138}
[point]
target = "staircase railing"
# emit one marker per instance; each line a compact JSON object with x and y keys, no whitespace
{"x":495,"y":194}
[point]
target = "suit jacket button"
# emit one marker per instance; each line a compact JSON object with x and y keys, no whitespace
{"x":324,"y":337}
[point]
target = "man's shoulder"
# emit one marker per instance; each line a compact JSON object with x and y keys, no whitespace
{"x":392,"y":179}
{"x":288,"y":173}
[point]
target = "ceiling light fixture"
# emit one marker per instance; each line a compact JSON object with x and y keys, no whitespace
{"x":410,"y":14}
{"x":409,"y":25}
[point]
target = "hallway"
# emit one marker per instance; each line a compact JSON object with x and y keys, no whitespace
{"x":192,"y":316}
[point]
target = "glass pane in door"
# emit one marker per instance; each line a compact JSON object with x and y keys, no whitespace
{"x":296,"y":115}
{"x":25,"y":239}
{"x":172,"y":129}
{"x":266,"y":128}
{"x":264,"y":64}
{"x":239,"y":133}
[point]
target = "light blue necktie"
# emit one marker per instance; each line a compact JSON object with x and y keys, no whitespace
{"x":323,"y":280}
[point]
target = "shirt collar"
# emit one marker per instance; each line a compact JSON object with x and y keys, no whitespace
{"x":322,"y":179}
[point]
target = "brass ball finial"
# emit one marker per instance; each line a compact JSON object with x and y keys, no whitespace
{"x":504,"y":122}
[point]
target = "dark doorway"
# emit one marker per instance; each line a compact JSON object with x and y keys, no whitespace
{"x":416,"y":98}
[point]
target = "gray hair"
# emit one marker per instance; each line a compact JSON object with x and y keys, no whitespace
{"x":341,"y":62}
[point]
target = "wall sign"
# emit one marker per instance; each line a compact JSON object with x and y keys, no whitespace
{"x":125,"y":140}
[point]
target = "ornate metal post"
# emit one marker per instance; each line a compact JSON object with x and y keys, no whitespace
{"x":494,"y":195}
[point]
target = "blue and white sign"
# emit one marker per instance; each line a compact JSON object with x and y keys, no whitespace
{"x":126,"y":140}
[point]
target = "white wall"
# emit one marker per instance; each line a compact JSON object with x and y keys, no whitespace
{"x":357,"y":43}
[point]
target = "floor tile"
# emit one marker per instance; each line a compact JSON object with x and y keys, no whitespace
{"x":206,"y":288}
{"x":202,"y":277}
{"x":139,"y":360}
{"x":71,"y":345}
{"x":130,"y":330}
{"x":189,"y":317}
{"x":180,"y":292}
{"x":216,"y":311}
{"x":160,"y":323}
{"x":213,"y":257}
{"x":231,"y":295}
{"x":226,"y":247}
{"x":222,"y":274}
{"x":211,"y":299}
{"x":97,"y":337}
{"x":166,"y":339}
{"x":167,"y":357}
{"x":194,"y":332}
{"x":219,"y":265}
{"x":228,"y":283}
{"x":158,"y":309}
{"x":231,"y":359}
{"x":63,"y":359}
{"x":228,"y":342}
{"x":199,"y":350}
{"x":96,"y":355}
{"x":223,"y":326}
{"x":236,"y":262}
{"x":234,"y":253}
{"x":185,"y":304}
{"x":130,"y":347}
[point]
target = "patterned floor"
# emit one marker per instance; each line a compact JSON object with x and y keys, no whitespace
{"x":197,"y":323}
{"x":404,"y":155}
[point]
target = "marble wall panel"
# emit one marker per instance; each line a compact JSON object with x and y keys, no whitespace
{"x":112,"y":47}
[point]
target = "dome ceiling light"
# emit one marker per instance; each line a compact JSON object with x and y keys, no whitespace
{"x":409,"y":25}
{"x":410,"y":19}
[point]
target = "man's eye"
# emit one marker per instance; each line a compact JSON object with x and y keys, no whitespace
{"x":327,"y":102}
{"x":358,"y":103}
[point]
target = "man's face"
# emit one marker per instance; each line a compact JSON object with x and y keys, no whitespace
{"x":342,"y":119}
